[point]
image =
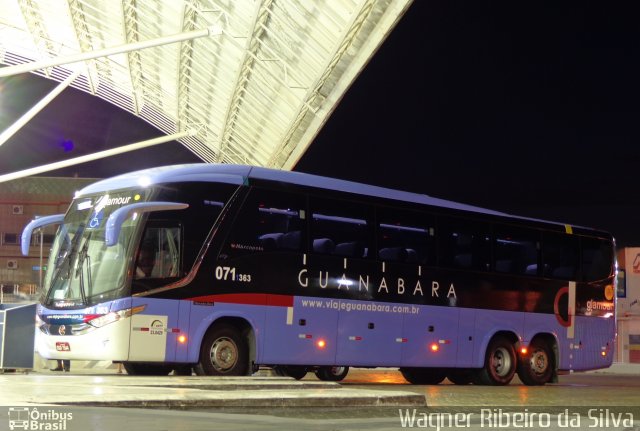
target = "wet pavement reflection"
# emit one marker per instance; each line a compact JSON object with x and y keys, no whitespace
{"x":576,"y":389}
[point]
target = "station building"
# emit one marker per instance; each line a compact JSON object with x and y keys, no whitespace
{"x":628,"y":306}
{"x":21,"y":201}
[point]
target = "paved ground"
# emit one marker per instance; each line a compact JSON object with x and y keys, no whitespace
{"x":75,"y":401}
{"x":179,"y":392}
{"x":106,"y":387}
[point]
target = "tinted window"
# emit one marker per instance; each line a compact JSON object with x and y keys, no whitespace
{"x":340,"y":228}
{"x":159,"y":253}
{"x":405,"y":236}
{"x":464,"y":244}
{"x":560,"y":254}
{"x":516,"y":250}
{"x":268,"y":221}
{"x":597,"y":259}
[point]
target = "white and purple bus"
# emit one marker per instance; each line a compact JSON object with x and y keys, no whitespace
{"x":222,"y":269}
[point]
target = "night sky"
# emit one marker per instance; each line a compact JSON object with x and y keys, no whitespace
{"x":528,"y":108}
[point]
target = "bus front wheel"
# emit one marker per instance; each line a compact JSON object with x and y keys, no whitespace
{"x":536,"y":367}
{"x":224,"y":352}
{"x":499,"y":365}
{"x":332,"y":374}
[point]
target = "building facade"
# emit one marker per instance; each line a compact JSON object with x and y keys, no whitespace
{"x":628,"y":306}
{"x":21,"y":201}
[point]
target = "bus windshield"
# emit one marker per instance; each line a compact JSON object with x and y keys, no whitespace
{"x":82,"y":270}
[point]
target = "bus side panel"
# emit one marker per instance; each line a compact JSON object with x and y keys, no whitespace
{"x":152,"y":331}
{"x":367,"y":337}
{"x":466,"y":338}
{"x":592,"y":338}
{"x":430,"y":326}
{"x":488,"y":323}
{"x":184,"y":314}
{"x":292,"y":333}
{"x":543,"y":323}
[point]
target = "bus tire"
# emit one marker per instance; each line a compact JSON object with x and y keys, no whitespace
{"x":296,"y":371}
{"x":536,"y":367}
{"x":499,"y":365}
{"x":146,"y":369}
{"x":224,"y":352}
{"x":332,"y":374}
{"x":460,"y":376}
{"x":423,"y":376}
{"x":182,"y":370}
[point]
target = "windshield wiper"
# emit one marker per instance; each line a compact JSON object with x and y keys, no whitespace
{"x":82,"y":256}
{"x":65,"y":265}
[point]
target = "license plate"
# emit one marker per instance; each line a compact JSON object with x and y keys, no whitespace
{"x":63,"y":346}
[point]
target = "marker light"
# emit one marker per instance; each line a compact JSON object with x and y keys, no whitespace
{"x":524,"y":350}
{"x":603,"y":353}
{"x":182,"y":339}
{"x":321,"y":344}
{"x":434,"y":347}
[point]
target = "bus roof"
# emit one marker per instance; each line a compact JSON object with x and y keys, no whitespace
{"x":242,"y":174}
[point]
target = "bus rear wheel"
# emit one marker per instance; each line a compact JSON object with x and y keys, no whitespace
{"x":332,"y":374}
{"x":296,"y":371}
{"x":499,"y":364}
{"x":224,"y":352}
{"x":146,"y":369}
{"x":460,"y":376}
{"x":424,"y":376}
{"x":536,"y":367}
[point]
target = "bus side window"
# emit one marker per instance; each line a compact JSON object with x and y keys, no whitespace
{"x":516,"y":250}
{"x":405,"y":236}
{"x":464,"y":244}
{"x":159,"y":253}
{"x":597,"y":259}
{"x":340,"y":228}
{"x":268,"y":221}
{"x":560,"y":254}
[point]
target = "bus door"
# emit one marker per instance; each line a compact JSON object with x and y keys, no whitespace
{"x":155,"y":329}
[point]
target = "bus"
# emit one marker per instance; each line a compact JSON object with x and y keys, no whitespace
{"x":222,"y":269}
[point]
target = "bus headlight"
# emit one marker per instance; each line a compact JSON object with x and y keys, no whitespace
{"x":114,"y":316}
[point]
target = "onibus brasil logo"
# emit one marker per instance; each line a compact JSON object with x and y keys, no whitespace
{"x":32,"y":419}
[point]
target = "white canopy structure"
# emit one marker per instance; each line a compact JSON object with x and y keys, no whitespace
{"x":235,"y":81}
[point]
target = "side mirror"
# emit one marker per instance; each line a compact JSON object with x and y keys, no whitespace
{"x":35,"y":224}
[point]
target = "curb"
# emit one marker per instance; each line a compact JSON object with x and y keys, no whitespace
{"x":193,"y":392}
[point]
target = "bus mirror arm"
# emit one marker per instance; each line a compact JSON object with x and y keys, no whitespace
{"x":118,"y":217}
{"x":35,"y":224}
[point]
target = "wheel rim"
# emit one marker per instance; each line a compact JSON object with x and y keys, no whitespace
{"x":539,"y":362}
{"x":224,"y":354}
{"x":336,"y":371}
{"x":501,"y":362}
